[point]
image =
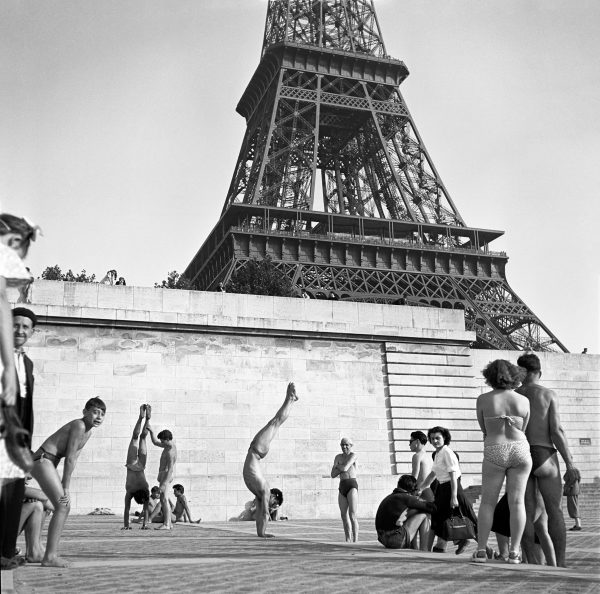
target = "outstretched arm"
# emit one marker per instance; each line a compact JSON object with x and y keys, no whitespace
{"x":126,"y":511}
{"x":155,"y":441}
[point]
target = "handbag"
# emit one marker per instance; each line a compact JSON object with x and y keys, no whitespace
{"x":458,"y":527}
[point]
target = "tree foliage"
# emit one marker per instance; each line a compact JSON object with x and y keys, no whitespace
{"x":174,"y":280}
{"x":261,"y":277}
{"x":55,"y":273}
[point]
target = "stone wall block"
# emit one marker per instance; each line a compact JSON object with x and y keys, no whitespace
{"x":81,"y":294}
{"x":147,"y":299}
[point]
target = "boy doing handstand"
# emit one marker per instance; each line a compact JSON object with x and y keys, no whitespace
{"x":165,"y":469}
{"x":66,"y":443}
{"x":136,"y":485}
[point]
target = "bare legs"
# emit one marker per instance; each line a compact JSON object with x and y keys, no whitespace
{"x":45,"y":474}
{"x":516,"y":482}
{"x":32,"y":521}
{"x":348,"y":508}
{"x":259,"y":448}
{"x":547,"y":480}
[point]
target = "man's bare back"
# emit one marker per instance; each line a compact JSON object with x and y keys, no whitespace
{"x":542,"y":403}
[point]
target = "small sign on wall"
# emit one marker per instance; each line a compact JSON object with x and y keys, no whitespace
{"x":585,"y":441}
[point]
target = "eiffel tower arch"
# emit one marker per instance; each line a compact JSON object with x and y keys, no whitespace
{"x":333,"y":182}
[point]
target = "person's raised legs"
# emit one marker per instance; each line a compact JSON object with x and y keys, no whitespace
{"x":45,"y":474}
{"x":262,"y":441}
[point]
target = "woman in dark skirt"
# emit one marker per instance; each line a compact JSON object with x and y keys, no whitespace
{"x":449,"y":495}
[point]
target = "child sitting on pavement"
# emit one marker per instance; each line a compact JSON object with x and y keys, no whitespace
{"x":182,"y":510}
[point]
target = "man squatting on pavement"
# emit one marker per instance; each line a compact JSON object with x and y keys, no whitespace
{"x":259,"y":448}
{"x":136,"y":485}
{"x":401,"y":514}
{"x":545,"y":435}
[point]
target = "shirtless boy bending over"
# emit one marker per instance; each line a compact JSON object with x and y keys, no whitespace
{"x":259,"y":448}
{"x":66,"y":443}
{"x":166,"y":468}
{"x":136,"y":485}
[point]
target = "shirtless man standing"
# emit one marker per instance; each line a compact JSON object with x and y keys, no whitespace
{"x":421,"y":467}
{"x":545,"y":435}
{"x":66,"y":443}
{"x":136,"y":485}
{"x":259,"y":448}
{"x":344,"y":466}
{"x":166,"y":468}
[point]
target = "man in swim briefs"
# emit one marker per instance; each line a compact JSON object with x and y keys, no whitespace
{"x":344,"y":466}
{"x":136,"y":485}
{"x":545,"y":435}
{"x":66,"y":443}
{"x":259,"y":448}
{"x":166,"y":469}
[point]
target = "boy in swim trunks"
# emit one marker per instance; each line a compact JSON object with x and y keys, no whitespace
{"x":66,"y":443}
{"x":136,"y":485}
{"x":182,"y":510}
{"x":344,"y":466}
{"x":166,"y":469}
{"x":259,"y":448}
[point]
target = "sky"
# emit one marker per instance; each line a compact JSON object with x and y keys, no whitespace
{"x":118,"y":130}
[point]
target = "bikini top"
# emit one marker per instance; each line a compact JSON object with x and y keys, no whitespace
{"x":510,"y":420}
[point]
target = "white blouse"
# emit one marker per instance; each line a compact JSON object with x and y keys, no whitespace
{"x":445,"y":462}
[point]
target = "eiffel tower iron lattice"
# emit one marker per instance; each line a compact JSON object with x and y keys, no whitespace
{"x":333,"y":182}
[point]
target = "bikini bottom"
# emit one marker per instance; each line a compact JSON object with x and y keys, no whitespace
{"x":507,"y":455}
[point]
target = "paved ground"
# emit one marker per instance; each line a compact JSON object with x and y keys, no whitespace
{"x":305,"y":556}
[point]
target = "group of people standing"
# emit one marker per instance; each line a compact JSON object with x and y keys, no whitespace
{"x":522,"y":435}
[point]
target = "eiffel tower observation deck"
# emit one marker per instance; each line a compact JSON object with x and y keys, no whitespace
{"x":334,"y":183}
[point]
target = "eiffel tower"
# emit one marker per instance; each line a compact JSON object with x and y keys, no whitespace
{"x":333,"y":182}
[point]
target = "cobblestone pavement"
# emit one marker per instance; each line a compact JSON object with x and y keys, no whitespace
{"x":305,"y":556}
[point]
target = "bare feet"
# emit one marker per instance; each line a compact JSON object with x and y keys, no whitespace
{"x":34,"y":559}
{"x":197,"y":521}
{"x":268,"y":536}
{"x":142,"y":411}
{"x":291,"y":392}
{"x":163,"y":527}
{"x":144,"y":527}
{"x":56,"y":562}
{"x":126,"y":528}
{"x":148,"y":411}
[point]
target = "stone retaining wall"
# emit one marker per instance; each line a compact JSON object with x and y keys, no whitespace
{"x":215,"y":368}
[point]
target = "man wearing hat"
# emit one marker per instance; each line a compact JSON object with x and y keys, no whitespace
{"x":24,"y":321}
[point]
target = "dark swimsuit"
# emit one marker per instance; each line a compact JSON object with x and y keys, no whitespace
{"x":539,"y":455}
{"x":42,"y":453}
{"x":346,"y":485}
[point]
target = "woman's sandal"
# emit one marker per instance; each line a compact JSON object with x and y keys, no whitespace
{"x":479,"y":556}
{"x":514,"y":557}
{"x":438,"y":550}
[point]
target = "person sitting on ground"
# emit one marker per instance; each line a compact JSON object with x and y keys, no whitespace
{"x":503,"y":415}
{"x":401,"y":514}
{"x":136,"y":485}
{"x":344,"y":466}
{"x":153,"y":501}
{"x":166,"y":469}
{"x":36,"y":507}
{"x":545,"y":435}
{"x":182,"y":510}
{"x":254,"y":478}
{"x":66,"y":443}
